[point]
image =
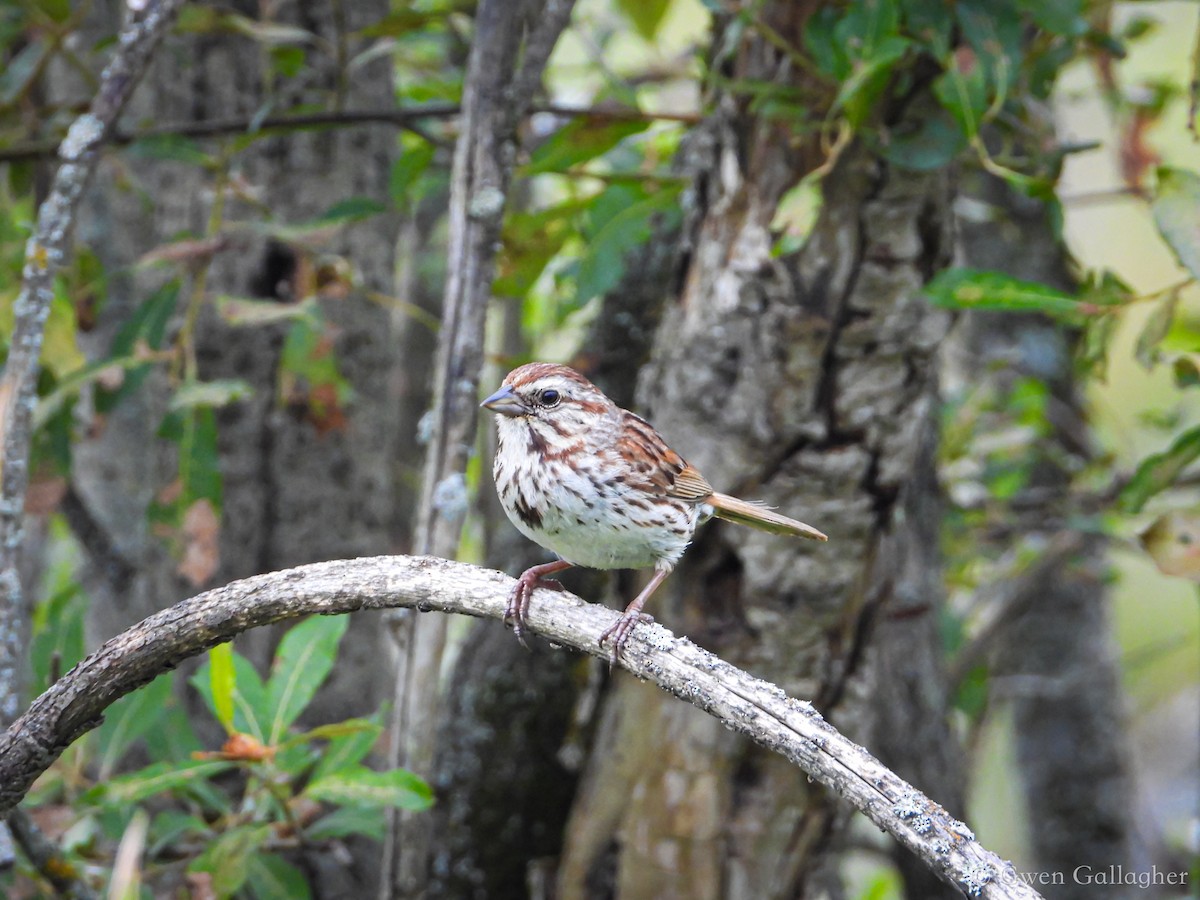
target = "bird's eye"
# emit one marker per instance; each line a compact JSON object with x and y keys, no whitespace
{"x":549,"y":397}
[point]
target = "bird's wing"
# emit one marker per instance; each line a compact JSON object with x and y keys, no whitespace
{"x":655,"y":467}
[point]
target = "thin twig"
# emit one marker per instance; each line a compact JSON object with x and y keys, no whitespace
{"x":757,"y":709}
{"x":45,"y":856}
{"x":407,"y":119}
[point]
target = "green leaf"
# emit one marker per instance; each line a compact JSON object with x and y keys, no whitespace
{"x":170,"y":148}
{"x":147,"y":326}
{"x":57,"y":642}
{"x":397,"y":788}
{"x":169,"y":826}
{"x":933,"y":143}
{"x":210,"y":394}
{"x":961,"y":288}
{"x":269,"y":33}
{"x":128,"y":719}
{"x":1147,"y":350}
{"x":407,"y":170}
{"x":603,"y":261}
{"x":1176,"y":210}
{"x":252,"y":710}
{"x":223,"y":680}
{"x":823,"y":46}
{"x":346,"y":751}
{"x":246,"y":311}
{"x":866,"y":26}
{"x":194,"y":429}
{"x":348,"y":820}
{"x":962,"y":91}
{"x":352,"y":209}
{"x":1159,"y":471}
{"x":580,"y":140}
{"x":868,"y":77}
{"x":646,"y":15}
{"x":302,"y":663}
{"x":228,"y":858}
{"x":529,"y":242}
{"x":271,"y":878}
{"x":153,"y":779}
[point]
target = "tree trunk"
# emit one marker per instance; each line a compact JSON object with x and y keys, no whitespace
{"x":806,"y":381}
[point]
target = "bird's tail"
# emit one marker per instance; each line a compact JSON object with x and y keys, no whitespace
{"x":756,"y":515}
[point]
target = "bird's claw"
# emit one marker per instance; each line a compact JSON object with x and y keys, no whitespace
{"x":518,"y":602}
{"x":620,"y":630}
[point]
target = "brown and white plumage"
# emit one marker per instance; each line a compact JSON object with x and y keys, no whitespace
{"x":598,"y":486}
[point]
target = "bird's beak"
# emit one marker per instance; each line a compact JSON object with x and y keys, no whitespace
{"x":505,"y":402}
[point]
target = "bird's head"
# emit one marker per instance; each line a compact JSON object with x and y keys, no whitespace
{"x":554,"y":402}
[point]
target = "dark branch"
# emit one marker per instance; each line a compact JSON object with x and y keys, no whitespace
{"x":399,"y":118}
{"x":757,"y":709}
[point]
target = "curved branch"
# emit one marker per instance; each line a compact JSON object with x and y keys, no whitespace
{"x":755,"y":708}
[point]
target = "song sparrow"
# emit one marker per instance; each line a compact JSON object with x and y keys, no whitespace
{"x":597,"y":485}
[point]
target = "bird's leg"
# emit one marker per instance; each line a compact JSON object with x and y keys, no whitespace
{"x":620,"y":630}
{"x":518,"y":600}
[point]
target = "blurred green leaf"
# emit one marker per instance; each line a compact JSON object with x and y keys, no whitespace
{"x":397,"y":788}
{"x":1061,"y":17}
{"x":128,"y":719}
{"x":646,"y":15}
{"x":222,"y":679}
{"x":156,"y":778}
{"x":1176,"y":208}
{"x":407,"y":172}
{"x":962,"y":91}
{"x":228,"y":858}
{"x":401,"y":21}
{"x":352,"y":209}
{"x":145,"y":328}
{"x":57,"y":640}
{"x":1147,"y":350}
{"x":347,"y":820}
{"x":246,"y":311}
{"x":252,"y":709}
{"x":170,"y":148}
{"x":580,"y":140}
{"x":19,"y":71}
{"x":529,"y":242}
{"x":302,"y":663}
{"x":347,"y":750}
{"x":867,"y":27}
{"x":210,"y":394}
{"x":961,"y":288}
{"x":933,"y":143}
{"x":868,"y":77}
{"x":826,"y":51}
{"x":271,"y":878}
{"x":270,"y":33}
{"x":603,"y":261}
{"x":1158,"y":471}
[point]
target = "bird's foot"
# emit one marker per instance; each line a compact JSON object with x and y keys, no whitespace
{"x":518,"y":601}
{"x":620,"y":630}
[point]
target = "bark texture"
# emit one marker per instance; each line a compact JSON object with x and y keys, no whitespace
{"x":806,"y":381}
